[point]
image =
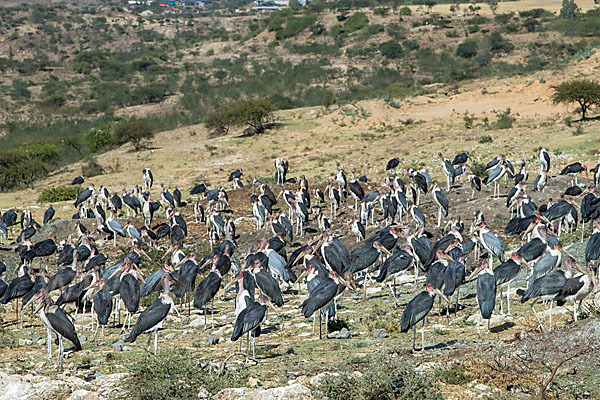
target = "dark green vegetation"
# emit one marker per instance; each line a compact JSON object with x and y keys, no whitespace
{"x":59,"y":193}
{"x":251,"y":113}
{"x":69,"y":76}
{"x":382,"y":379}
{"x":177,"y":374}
{"x":585,"y":93}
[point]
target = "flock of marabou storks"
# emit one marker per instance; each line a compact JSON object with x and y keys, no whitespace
{"x":398,"y":246}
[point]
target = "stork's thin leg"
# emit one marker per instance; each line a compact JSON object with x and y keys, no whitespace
{"x":414,"y":336}
{"x":327,"y":322}
{"x":253,"y":345}
{"x":320,"y":333}
{"x":456,"y":307}
{"x":551,"y":303}
{"x":155,"y":340}
{"x":149,"y":341}
{"x":508,"y":298}
{"x":536,"y":316}
{"x":423,"y":335}
{"x":212,"y":312}
{"x":49,"y":340}
{"x":247,"y":345}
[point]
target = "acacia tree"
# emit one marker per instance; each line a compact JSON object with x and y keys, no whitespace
{"x":252,"y":113}
{"x":136,"y":132}
{"x":582,"y":91}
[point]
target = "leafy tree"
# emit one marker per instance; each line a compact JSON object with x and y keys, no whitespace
{"x":19,"y":90}
{"x":467,"y":49}
{"x":570,"y":9}
{"x":136,"y":132}
{"x":328,"y":98}
{"x":391,"y":49}
{"x":493,"y":4}
{"x":499,"y":44}
{"x":253,"y":113}
{"x":582,"y":91}
{"x":405,"y":11}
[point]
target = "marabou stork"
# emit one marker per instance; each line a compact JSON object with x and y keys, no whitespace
{"x":148,"y":178}
{"x":358,"y":229}
{"x":546,"y":264}
{"x":334,"y":198}
{"x":248,"y":322}
{"x":115,"y":227}
{"x":267,"y":284}
{"x":475,"y":185}
{"x":440,"y":199}
{"x":235,"y":174}
{"x":576,"y":289}
{"x":18,"y":288}
{"x":486,"y":292}
{"x":151,"y":319}
{"x":49,"y":214}
{"x":448,"y":170}
{"x":84,"y":196}
{"x":198,"y":189}
{"x":393,"y":267}
{"x":417,"y":310}
{"x":573,"y":170}
{"x":392,"y":164}
{"x":494,"y":178}
{"x":321,"y":296}
{"x":545,"y":288}
{"x":544,"y":159}
{"x":56,"y":321}
{"x":491,"y":243}
{"x":356,"y":190}
{"x":206,"y":291}
{"x":102,"y":306}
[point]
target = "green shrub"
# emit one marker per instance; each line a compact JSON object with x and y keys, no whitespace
{"x":99,"y":139}
{"x":405,"y":11}
{"x":499,"y":44}
{"x":391,"y":49}
{"x":451,"y":33}
{"x":374,"y":29}
{"x":467,"y":49}
{"x":23,"y":165}
{"x":484,"y":140}
{"x":175,"y":374}
{"x":505,"y":120}
{"x":383,"y":379}
{"x":411,"y":45}
{"x":355,"y":22}
{"x":19,"y":90}
{"x":92,"y":168}
{"x":455,"y":375}
{"x":56,"y":194}
{"x":473,"y":28}
{"x":478,"y":168}
{"x":383,"y":11}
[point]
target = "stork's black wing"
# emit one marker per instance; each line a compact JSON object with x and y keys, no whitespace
{"x":63,"y":325}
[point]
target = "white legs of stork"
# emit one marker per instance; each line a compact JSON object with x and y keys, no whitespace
{"x":422,"y":336}
{"x":537,"y":317}
{"x":155,"y":330}
{"x":507,"y":299}
{"x":439,"y":217}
